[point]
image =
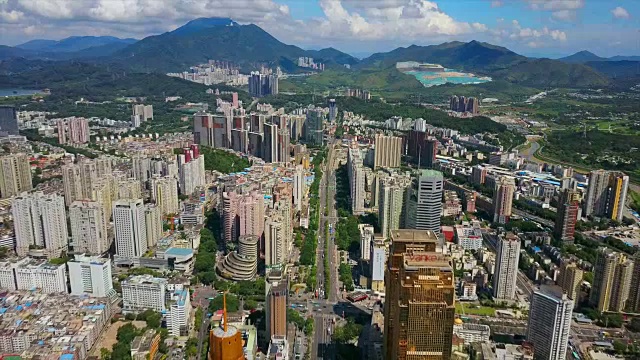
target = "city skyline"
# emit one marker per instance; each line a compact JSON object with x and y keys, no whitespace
{"x":537,"y":28}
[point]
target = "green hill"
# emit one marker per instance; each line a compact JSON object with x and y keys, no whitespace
{"x":473,"y":55}
{"x":551,"y":73}
{"x":375,"y":80}
{"x":196,"y":43}
{"x":616,"y":69}
{"x":582,"y":57}
{"x":495,"y":61}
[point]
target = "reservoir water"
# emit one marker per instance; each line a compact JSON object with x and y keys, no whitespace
{"x":18,"y":92}
{"x":452,"y":76}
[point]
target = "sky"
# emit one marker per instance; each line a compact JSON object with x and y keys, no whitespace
{"x":549,"y":28}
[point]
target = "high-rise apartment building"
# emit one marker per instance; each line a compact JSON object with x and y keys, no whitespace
{"x":503,"y":199}
{"x":633,"y":302}
{"x":179,"y":316}
{"x":606,"y":194}
{"x":478,"y":174}
{"x":270,"y":144}
{"x":40,"y":224}
{"x":275,"y":253}
{"x":88,"y":228}
{"x":420,"y":292}
{"x":73,"y":131}
{"x":130,"y":189}
{"x":130,"y":228}
{"x":15,"y":174}
{"x":391,"y":204}
{"x":144,"y":292}
{"x":333,"y":110}
{"x":570,"y":280}
{"x":36,"y":274}
{"x":72,"y":181}
{"x":144,"y":112}
{"x":313,"y":126}
{"x":422,"y":149}
{"x":387,"y":151}
{"x":153,"y":224}
{"x":378,"y":262}
{"x":424,"y":201}
{"x":366,"y":238}
{"x":250,"y":214}
{"x":276,"y":309}
{"x":103,"y":191}
{"x":462,"y":104}
{"x":164,"y":191}
{"x":80,"y":179}
{"x":191,"y":170}
{"x":299,"y":185}
{"x":90,"y":275}
{"x":356,"y":174}
{"x":506,"y":269}
{"x":242,"y":214}
{"x":29,"y":274}
{"x":204,"y":130}
{"x":141,"y":168}
{"x":612,"y":276}
{"x":262,"y":84}
{"x":8,"y":120}
{"x":567,"y":215}
{"x":549,"y":323}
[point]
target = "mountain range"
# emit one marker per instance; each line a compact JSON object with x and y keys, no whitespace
{"x":249,"y":46}
{"x":584,"y":56}
{"x":73,"y":43}
{"x":74,"y":47}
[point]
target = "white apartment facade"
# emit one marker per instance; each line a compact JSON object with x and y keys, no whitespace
{"x":90,"y":275}
{"x":47,"y":277}
{"x":143,"y":292}
{"x":40,"y":222}
{"x":130,"y":228}
{"x":88,"y":228}
{"x":506,"y":268}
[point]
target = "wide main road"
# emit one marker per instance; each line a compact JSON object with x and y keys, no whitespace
{"x":321,"y":347}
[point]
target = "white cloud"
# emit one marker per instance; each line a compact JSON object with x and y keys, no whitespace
{"x":564,"y":15}
{"x":529,"y":36}
{"x":556,"y":5}
{"x":497,"y":3}
{"x":11,"y":16}
{"x":620,"y":13}
{"x":561,"y":10}
{"x":151,"y":10}
{"x":388,"y":19}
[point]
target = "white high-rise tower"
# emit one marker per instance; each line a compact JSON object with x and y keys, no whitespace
{"x":40,"y":223}
{"x":130,"y":228}
{"x":550,"y":323}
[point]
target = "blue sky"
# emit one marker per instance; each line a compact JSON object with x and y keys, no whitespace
{"x":532,"y":27}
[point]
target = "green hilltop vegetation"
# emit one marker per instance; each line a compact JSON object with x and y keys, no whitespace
{"x":223,"y":161}
{"x":379,"y":81}
{"x":514,"y":75}
{"x":551,"y":73}
{"x":195,"y":43}
{"x":598,"y":150}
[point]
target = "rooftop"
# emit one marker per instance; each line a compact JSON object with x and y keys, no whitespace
{"x":414,"y":236}
{"x":179,"y":251}
{"x":430,"y":173}
{"x":145,"y":279}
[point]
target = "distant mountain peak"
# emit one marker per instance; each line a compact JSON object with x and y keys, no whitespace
{"x":581,"y":57}
{"x":203,"y":23}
